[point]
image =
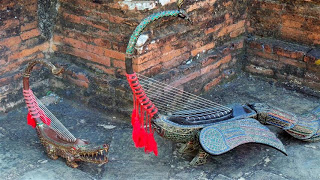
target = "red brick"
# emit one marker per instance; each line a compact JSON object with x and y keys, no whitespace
{"x":166,"y":48}
{"x":228,"y":29}
{"x":78,"y":82}
{"x":210,"y":75}
{"x":80,"y":45}
{"x":214,"y":66}
{"x":226,"y":59}
{"x":80,"y":76}
{"x":85,"y":4}
{"x":172,"y":54}
{"x":74,"y":43}
{"x":10,"y":42}
{"x":30,"y":34}
{"x":54,"y":47}
{"x":86,"y":37}
{"x":273,"y":6}
{"x":95,"y":49}
{"x":114,"y":54}
{"x":9,"y":24}
{"x":237,"y":32}
{"x":102,"y":42}
{"x":209,"y":60}
{"x":259,"y":70}
{"x":28,"y":26}
{"x":213,"y":29}
{"x":203,"y":48}
{"x":31,"y":9}
{"x":314,"y":37}
{"x":293,"y":17}
{"x":153,"y":70}
{"x":293,"y":62}
{"x":5,"y":4}
{"x":118,"y":64}
{"x":28,"y":52}
{"x":200,"y":4}
{"x":185,"y":79}
{"x":119,"y":20}
{"x":266,"y":63}
{"x":292,"y":24}
{"x":295,"y":34}
{"x":176,"y":61}
{"x":155,"y":60}
{"x":15,"y":64}
{"x":83,"y":20}
{"x":265,"y":55}
{"x":147,"y":56}
{"x":84,"y":54}
{"x":289,"y":53}
{"x":212,"y":83}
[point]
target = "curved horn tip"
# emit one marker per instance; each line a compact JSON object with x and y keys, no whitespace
{"x":183,"y":14}
{"x":57,"y":71}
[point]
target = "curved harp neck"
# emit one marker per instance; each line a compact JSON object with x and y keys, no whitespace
{"x":54,"y":70}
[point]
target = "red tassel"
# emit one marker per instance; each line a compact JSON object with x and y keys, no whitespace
{"x":136,"y":131}
{"x":148,"y":148}
{"x":154,"y":145}
{"x":142,"y":138}
{"x":151,"y":145}
{"x":143,"y":111}
{"x":30,"y":121}
{"x":133,"y":116}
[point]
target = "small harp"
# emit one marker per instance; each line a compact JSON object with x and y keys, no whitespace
{"x":54,"y":136}
{"x":184,"y":117}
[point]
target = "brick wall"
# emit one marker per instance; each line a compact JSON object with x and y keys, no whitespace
{"x":98,"y":33}
{"x":90,"y":38}
{"x":285,"y":41}
{"x":274,"y":38}
{"x":20,"y":41}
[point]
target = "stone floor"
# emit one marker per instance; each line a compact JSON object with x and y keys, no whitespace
{"x":23,"y":157}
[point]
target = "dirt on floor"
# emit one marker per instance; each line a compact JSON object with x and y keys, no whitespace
{"x":23,"y":157}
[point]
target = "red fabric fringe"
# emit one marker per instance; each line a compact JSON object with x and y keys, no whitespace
{"x":142,"y":113}
{"x":34,"y":110}
{"x":30,"y":121}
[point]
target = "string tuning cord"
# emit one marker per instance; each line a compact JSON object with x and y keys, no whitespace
{"x":181,"y":106}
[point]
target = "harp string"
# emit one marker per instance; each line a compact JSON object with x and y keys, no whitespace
{"x":175,"y":101}
{"x":43,"y":112}
{"x":55,"y":123}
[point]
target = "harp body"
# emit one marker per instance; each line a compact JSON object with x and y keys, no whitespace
{"x":56,"y":139}
{"x":210,"y":131}
{"x":182,"y":130}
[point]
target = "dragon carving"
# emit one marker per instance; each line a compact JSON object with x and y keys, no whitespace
{"x":56,"y":139}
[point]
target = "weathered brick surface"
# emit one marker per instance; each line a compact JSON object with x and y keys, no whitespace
{"x":102,"y":26}
{"x":296,"y":20}
{"x":284,"y":61}
{"x":86,"y":29}
{"x":89,"y":38}
{"x":286,"y":40}
{"x":20,"y":42}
